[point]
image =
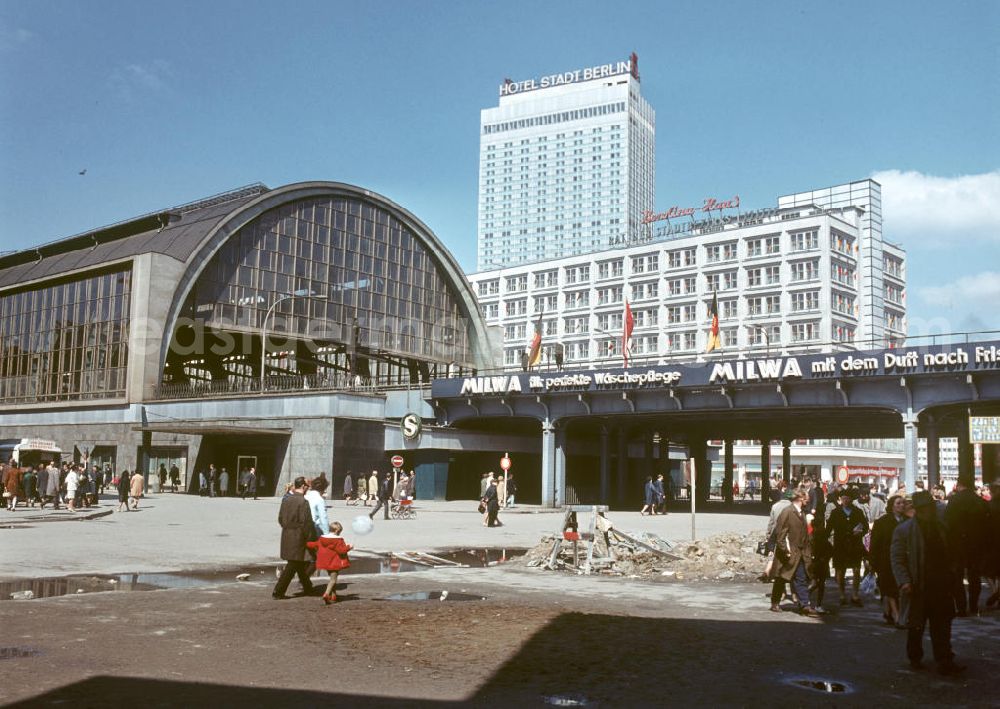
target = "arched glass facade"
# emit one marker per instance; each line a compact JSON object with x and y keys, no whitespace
{"x":66,"y":339}
{"x":369,"y":300}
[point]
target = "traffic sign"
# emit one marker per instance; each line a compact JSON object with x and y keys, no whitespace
{"x":843,"y":474}
{"x":505,"y":462}
{"x":397,"y":461}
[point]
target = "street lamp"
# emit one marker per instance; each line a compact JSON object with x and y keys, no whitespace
{"x":263,"y":330}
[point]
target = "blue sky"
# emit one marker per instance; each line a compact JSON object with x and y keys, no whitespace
{"x":164,"y":103}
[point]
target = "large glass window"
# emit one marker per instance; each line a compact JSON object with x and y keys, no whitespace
{"x":66,"y":340}
{"x":382,"y":297}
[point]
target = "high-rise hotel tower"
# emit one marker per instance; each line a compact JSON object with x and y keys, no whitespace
{"x":566,"y":165}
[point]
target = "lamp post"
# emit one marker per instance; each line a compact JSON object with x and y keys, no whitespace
{"x":263,"y":330}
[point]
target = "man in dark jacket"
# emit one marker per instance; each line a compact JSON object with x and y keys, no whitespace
{"x":967,"y":520}
{"x":922,"y":565}
{"x":384,"y":495}
{"x":296,"y":522}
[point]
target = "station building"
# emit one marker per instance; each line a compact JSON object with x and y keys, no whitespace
{"x":274,"y":328}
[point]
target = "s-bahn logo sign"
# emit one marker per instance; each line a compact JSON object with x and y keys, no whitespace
{"x":940,"y":359}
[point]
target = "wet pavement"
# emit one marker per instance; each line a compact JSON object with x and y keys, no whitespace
{"x":49,"y":587}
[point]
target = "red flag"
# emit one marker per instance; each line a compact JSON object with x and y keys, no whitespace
{"x":535,"y":351}
{"x":628,"y":322}
{"x":713,"y":335}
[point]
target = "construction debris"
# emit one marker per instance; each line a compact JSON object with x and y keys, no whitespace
{"x":612,"y":551}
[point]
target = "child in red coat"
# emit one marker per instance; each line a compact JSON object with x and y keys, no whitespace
{"x":331,"y":554}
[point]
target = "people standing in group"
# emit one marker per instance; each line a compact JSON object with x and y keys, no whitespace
{"x":922,"y":564}
{"x":331,"y":556}
{"x":492,"y":504}
{"x":295,"y":518}
{"x":373,"y":487}
{"x":124,"y":486}
{"x":136,"y":487}
{"x":967,"y":520}
{"x":502,"y":490}
{"x":881,"y":561}
{"x":848,"y":526}
{"x":484,"y":483}
{"x":224,"y":483}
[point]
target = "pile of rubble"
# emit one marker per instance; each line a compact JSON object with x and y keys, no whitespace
{"x":725,"y":557}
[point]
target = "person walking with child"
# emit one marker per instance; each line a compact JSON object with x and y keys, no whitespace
{"x":331,"y":556}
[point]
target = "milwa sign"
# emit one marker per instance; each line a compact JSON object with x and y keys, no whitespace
{"x":509,"y":88}
{"x":937,"y":359}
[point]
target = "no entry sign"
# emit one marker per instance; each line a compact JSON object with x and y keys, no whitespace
{"x":505,"y":463}
{"x":397,"y":461}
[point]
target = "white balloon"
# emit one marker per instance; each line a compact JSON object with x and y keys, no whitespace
{"x":362,"y":525}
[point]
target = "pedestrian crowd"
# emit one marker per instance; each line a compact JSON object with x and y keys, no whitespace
{"x":926,"y":554}
{"x":71,"y":485}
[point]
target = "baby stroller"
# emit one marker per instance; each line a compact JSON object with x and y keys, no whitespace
{"x":403,"y":509}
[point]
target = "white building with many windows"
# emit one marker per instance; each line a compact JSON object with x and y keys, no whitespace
{"x":809,"y":276}
{"x":566,"y":165}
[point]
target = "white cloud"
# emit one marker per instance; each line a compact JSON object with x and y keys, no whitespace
{"x":919,"y":209}
{"x":13,"y":37}
{"x":133,"y":79}
{"x":981,"y":288}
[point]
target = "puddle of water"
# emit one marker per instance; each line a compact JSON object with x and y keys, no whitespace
{"x":433,"y":596}
{"x":69,"y":585}
{"x":821,"y":685}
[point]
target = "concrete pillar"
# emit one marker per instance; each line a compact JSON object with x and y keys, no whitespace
{"x":966,"y":453}
{"x":622,"y":463}
{"x":559,"y":482}
{"x":765,"y":470}
{"x":910,"y":453}
{"x":933,"y":454}
{"x":727,"y":480}
{"x":548,"y":464}
{"x":605,"y":467}
{"x":786,"y":460}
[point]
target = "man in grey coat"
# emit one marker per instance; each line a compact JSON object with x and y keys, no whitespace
{"x":295,"y":518}
{"x":922,"y":565}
